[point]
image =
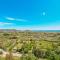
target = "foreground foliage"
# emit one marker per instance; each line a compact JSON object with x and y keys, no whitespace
{"x":32,"y":45}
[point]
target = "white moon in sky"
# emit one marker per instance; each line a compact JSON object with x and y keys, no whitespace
{"x":43,"y":13}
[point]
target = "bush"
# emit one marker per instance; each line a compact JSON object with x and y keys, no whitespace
{"x":52,"y":56}
{"x":26,"y":48}
{"x":40,"y":53}
{"x":28,"y":57}
{"x":58,"y":50}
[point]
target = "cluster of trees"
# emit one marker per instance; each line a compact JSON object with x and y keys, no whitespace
{"x":34,"y":51}
{"x":31,"y":49}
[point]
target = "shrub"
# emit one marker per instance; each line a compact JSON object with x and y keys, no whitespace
{"x":40,"y":53}
{"x":28,"y":57}
{"x":26,"y":48}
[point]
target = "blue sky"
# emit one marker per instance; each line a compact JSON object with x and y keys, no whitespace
{"x":30,"y":14}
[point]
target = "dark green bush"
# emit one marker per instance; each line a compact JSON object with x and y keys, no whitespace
{"x":40,"y":53}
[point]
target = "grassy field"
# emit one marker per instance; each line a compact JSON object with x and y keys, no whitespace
{"x":28,"y":45}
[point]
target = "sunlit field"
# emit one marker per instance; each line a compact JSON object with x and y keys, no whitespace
{"x":28,"y":45}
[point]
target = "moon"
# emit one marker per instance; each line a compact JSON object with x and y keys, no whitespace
{"x":43,"y":13}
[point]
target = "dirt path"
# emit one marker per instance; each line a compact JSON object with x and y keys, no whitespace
{"x":14,"y":54}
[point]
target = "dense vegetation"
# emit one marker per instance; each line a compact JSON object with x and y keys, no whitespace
{"x":31,"y":45}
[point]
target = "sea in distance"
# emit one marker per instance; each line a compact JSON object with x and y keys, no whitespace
{"x":46,"y":30}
